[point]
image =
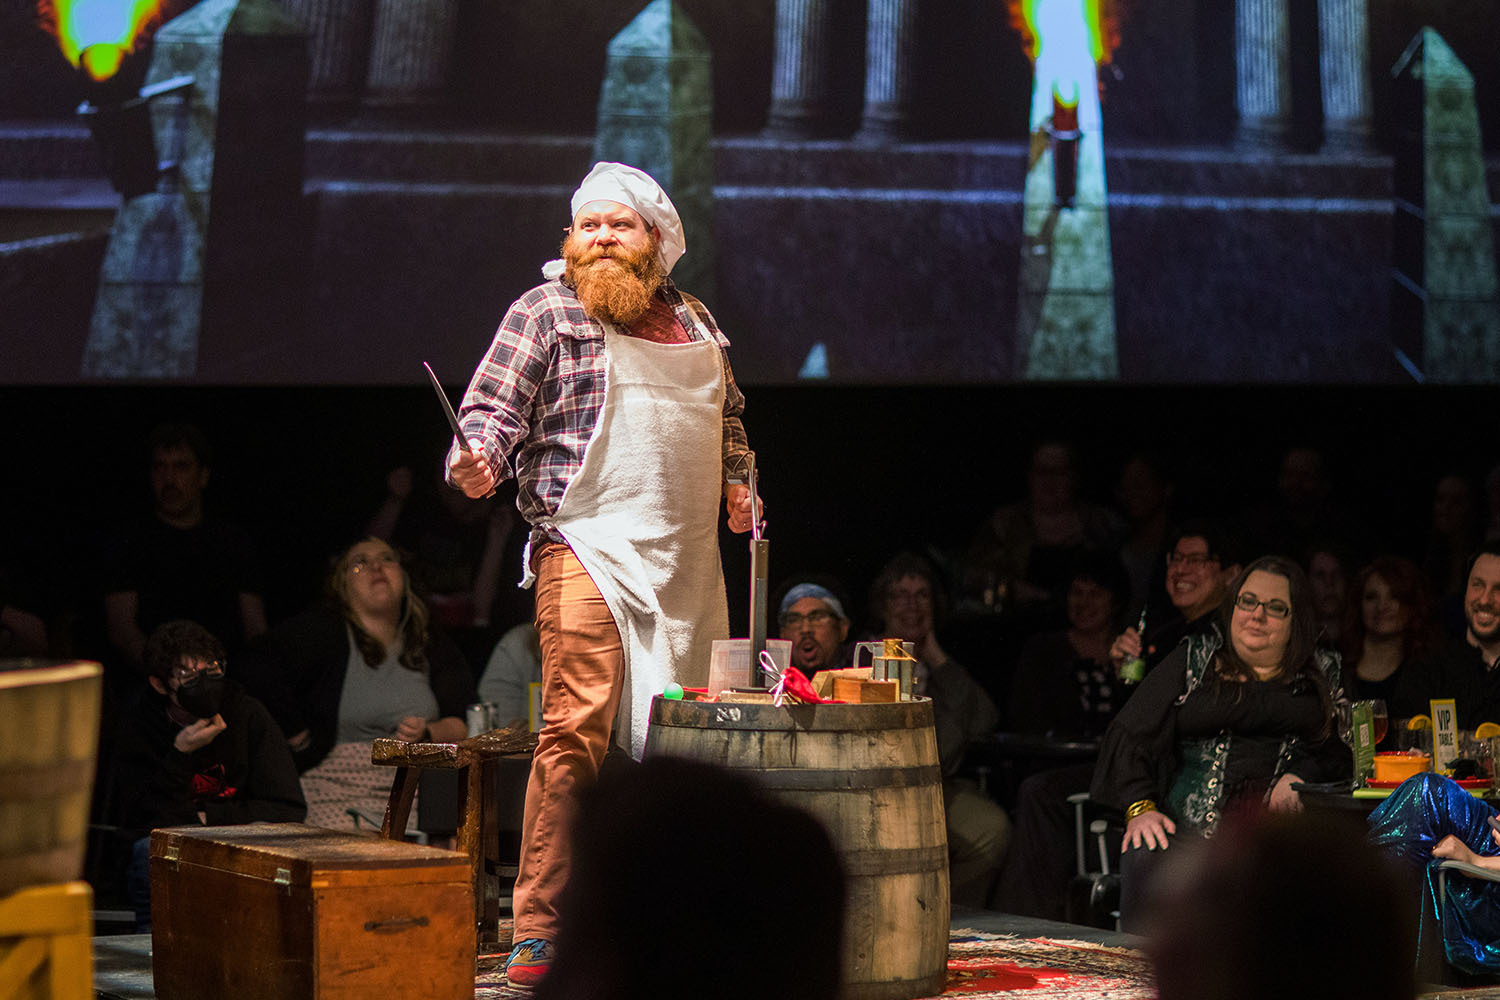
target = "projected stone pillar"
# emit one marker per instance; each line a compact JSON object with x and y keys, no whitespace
{"x":411,"y":53}
{"x":1344,"y":72}
{"x":890,"y":52}
{"x":203,"y":276}
{"x":1445,"y":301}
{"x":338,"y":46}
{"x":1262,"y":73}
{"x":1065,"y":328}
{"x":655,"y":113}
{"x":800,"y":69}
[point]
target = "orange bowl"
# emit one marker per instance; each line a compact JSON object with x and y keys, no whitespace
{"x":1400,"y":766}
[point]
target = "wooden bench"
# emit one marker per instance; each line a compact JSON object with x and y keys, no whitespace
{"x":476,"y":760}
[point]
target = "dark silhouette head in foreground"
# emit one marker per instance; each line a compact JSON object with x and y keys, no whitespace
{"x":688,"y":881}
{"x":1279,"y":905}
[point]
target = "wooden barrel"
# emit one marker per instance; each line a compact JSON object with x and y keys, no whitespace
{"x":49,"y":737}
{"x":870,"y":774}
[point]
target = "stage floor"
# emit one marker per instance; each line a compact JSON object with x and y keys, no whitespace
{"x":122,"y":963}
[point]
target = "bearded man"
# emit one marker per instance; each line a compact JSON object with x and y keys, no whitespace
{"x":608,"y":395}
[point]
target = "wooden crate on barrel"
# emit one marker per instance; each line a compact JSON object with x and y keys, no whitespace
{"x":283,"y":911}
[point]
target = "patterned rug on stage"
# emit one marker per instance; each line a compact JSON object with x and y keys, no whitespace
{"x":983,"y":965}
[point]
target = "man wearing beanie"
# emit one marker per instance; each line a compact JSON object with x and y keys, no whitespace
{"x":813,"y":620}
{"x":607,"y":394}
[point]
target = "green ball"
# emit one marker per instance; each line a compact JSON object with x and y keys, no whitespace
{"x":673,"y":692}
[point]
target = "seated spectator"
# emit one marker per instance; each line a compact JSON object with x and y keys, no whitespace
{"x":1464,"y":669}
{"x":1026,"y":548}
{"x":1429,"y":817}
{"x":1387,"y":626}
{"x":514,"y":665}
{"x":1328,"y":579}
{"x":1283,"y":906}
{"x":907,"y":598}
{"x":812,"y":618}
{"x":458,"y":547}
{"x":1064,"y":684}
{"x":181,"y":562}
{"x":365,"y":665}
{"x":21,"y":632}
{"x":1144,"y":494}
{"x":196,"y":750}
{"x":622,"y":936}
{"x":1228,"y":722}
{"x":1452,"y":536}
{"x":1202,"y":559}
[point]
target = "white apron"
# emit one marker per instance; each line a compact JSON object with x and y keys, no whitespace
{"x":642,"y":514}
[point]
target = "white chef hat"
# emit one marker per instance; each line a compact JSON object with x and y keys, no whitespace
{"x":636,"y":189}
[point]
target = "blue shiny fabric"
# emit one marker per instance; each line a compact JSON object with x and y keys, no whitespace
{"x":1420,"y":812}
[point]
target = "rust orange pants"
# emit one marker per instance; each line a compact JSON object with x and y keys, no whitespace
{"x":583,"y":673}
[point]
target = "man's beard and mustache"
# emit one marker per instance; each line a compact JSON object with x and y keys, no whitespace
{"x":613,"y":283}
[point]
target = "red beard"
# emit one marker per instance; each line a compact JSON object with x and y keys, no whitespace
{"x":613,"y":284}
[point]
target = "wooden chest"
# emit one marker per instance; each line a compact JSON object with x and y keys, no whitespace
{"x":283,"y":911}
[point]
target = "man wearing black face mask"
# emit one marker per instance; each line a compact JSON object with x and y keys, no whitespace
{"x":197,"y":750}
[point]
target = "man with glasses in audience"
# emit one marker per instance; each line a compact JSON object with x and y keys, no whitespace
{"x":1202,"y":560}
{"x":813,"y":620}
{"x":197,"y":750}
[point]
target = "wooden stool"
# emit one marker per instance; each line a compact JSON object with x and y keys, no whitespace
{"x":45,"y":947}
{"x":478,"y":833}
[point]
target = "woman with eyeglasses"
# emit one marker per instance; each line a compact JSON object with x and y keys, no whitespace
{"x":1229,"y":721}
{"x":363,"y":665}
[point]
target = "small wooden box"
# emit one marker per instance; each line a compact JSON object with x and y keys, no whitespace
{"x":861,"y":691}
{"x":283,"y":911}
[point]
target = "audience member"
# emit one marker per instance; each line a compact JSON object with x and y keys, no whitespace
{"x":180,"y":562}
{"x":366,"y":664}
{"x":1452,"y":537}
{"x":459,"y":548}
{"x":812,"y":618}
{"x":1464,"y":669}
{"x":1026,"y":548}
{"x":1202,"y":559}
{"x":1328,"y":580}
{"x":1222,"y":725}
{"x":1282,"y":906}
{"x":907,"y":596}
{"x":623,"y":935}
{"x":21,"y":632}
{"x":1145,"y":496}
{"x":1428,"y":818}
{"x":1303,"y":508}
{"x":1387,"y":627}
{"x":1064,"y":684}
{"x":514,"y":665}
{"x":196,"y":750}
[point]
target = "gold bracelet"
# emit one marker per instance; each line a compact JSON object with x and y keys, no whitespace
{"x":1136,"y":808}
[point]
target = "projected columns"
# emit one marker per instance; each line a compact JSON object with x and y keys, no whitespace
{"x":1065,"y":325}
{"x":890,"y":44}
{"x":1262,"y":72}
{"x":800,"y":70}
{"x":1343,"y":65}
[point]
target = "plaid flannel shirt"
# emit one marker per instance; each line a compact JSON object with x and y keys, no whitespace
{"x":536,"y":395}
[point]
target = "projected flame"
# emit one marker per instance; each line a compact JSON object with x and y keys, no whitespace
{"x":97,"y":35}
{"x":1099,"y":22}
